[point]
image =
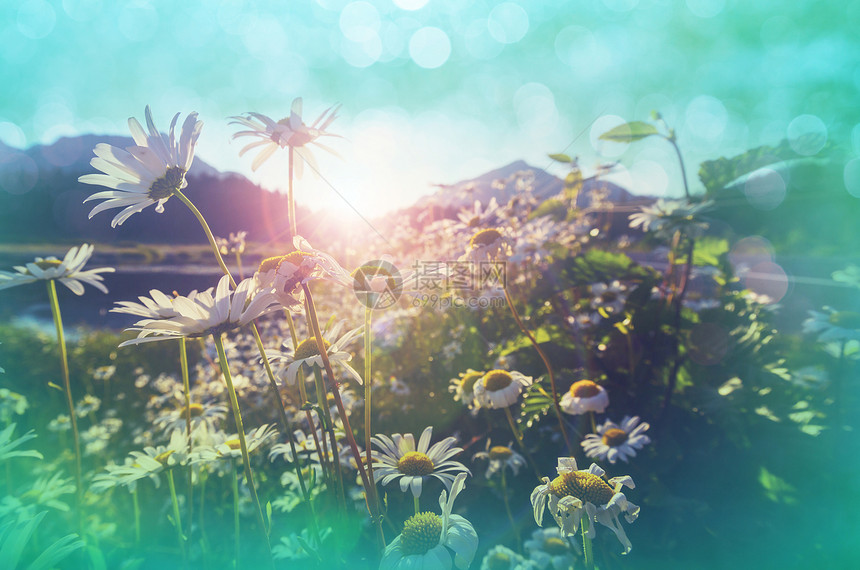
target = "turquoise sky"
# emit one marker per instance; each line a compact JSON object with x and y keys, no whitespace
{"x":438,"y":90}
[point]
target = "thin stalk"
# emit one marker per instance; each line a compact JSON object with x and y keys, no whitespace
{"x":67,"y":388}
{"x":368,"y":382}
{"x":290,"y":197}
{"x":518,"y":435}
{"x":184,"y":199}
{"x":186,"y":388}
{"x":416,"y":503}
{"x":337,"y":476}
{"x":546,"y":364}
{"x":671,"y":139}
{"x":204,"y":540}
{"x":235,"y":486}
{"x":177,"y":521}
{"x":237,"y":416}
{"x":136,"y":506}
{"x":239,"y":264}
{"x":508,"y":511}
{"x":586,"y":543}
{"x":679,"y":304}
{"x":356,"y":454}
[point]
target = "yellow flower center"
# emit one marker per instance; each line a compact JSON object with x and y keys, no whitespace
{"x":169,"y":183}
{"x":467,"y":382}
{"x":308,"y":348}
{"x":484,"y":237}
{"x":555,"y":546}
{"x":270,"y":263}
{"x":48,"y":263}
{"x":584,"y":389}
{"x":500,"y":452}
{"x":421,"y":532}
{"x":415,"y":464}
{"x":162,"y":457}
{"x":845,"y":319}
{"x":300,"y":271}
{"x":233,"y":444}
{"x":496,"y":380}
{"x":585,"y":486}
{"x":363,"y":274}
{"x":613,"y":437}
{"x":498,"y":561}
{"x":196,"y":410}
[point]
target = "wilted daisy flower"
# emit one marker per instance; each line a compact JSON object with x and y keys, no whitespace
{"x":501,"y":557}
{"x":584,"y":396}
{"x":574,"y":491}
{"x":463,"y":387}
{"x":499,"y":457}
{"x":487,"y":245}
{"x":550,"y":550}
{"x":147,"y":173}
{"x":290,"y":131}
{"x":428,"y":540}
{"x":70,"y":271}
{"x":307,"y":354}
{"x":204,"y":314}
{"x":500,"y":388}
{"x":665,"y":217}
{"x":147,"y":463}
{"x":398,"y":458}
{"x":613,"y":442}
{"x":833,"y":325}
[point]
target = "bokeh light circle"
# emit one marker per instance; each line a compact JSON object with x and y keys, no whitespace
{"x":621,"y":5}
{"x":649,"y":177}
{"x":138,"y":21}
{"x":807,"y":134}
{"x":12,"y":135}
{"x":508,"y":23}
{"x":748,"y":252}
{"x":706,"y":8}
{"x":410,"y":4}
{"x":429,"y":47}
{"x":82,"y":10}
{"x":609,"y":149}
{"x":18,"y":173}
{"x":851,"y":176}
{"x":478,"y":41}
{"x":765,"y":189}
{"x":706,"y":117}
{"x":766,"y":278}
{"x":359,"y":21}
{"x":36,"y":19}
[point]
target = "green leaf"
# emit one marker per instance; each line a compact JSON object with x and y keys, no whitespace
{"x":269,"y":517}
{"x":56,"y":552}
{"x":629,"y":132}
{"x":559,"y":157}
{"x":536,"y":404}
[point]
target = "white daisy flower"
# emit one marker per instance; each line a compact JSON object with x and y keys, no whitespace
{"x":550,"y":549}
{"x":833,"y":325}
{"x":487,"y":245}
{"x":501,"y":557}
{"x":429,"y":540}
{"x":477,"y":216}
{"x":307,"y":353}
{"x":147,"y":463}
{"x":500,"y":457}
{"x":584,"y":396}
{"x":288,"y":132}
{"x":205,"y":314}
{"x":157,"y":306}
{"x":574,"y":491}
{"x":206,"y":415}
{"x":398,"y":458}
{"x":463,"y":387}
{"x":613,"y":442}
{"x":226,"y":446}
{"x":611,"y":297}
{"x":148,"y":173}
{"x":665,"y":217}
{"x":70,"y":271}
{"x":235,"y":243}
{"x":500,"y":388}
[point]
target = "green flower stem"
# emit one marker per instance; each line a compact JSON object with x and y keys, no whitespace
{"x":337,"y":483}
{"x":136,"y":506}
{"x":324,"y":421}
{"x":369,"y":487}
{"x":518,"y":435}
{"x":514,"y":526}
{"x":186,"y":388}
{"x":416,"y":503}
{"x":67,"y":388}
{"x":368,"y":382}
{"x":237,"y":416}
{"x":593,"y":422}
{"x":586,"y":542}
{"x":239,"y":264}
{"x":545,"y":362}
{"x":273,"y":385}
{"x":679,"y":304}
{"x":204,"y":540}
{"x":234,"y":479}
{"x":177,"y":521}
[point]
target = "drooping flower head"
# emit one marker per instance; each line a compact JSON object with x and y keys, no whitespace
{"x":70,"y":271}
{"x":288,"y":132}
{"x":500,"y":388}
{"x":613,"y":441}
{"x":149,"y":172}
{"x":429,"y":540}
{"x":576,"y":490}
{"x":398,"y":458}
{"x":463,"y":387}
{"x":584,"y":396}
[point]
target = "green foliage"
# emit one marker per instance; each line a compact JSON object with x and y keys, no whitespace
{"x":15,"y":536}
{"x":630,"y":132}
{"x":560,"y":157}
{"x":554,"y":208}
{"x":601,"y":266}
{"x":536,"y":403}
